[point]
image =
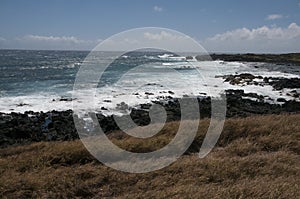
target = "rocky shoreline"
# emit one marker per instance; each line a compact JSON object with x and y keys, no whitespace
{"x":22,"y":128}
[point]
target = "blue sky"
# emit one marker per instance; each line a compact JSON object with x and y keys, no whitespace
{"x":220,"y":26}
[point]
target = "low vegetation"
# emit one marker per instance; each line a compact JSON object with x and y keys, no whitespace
{"x":270,"y":58}
{"x":255,"y":157}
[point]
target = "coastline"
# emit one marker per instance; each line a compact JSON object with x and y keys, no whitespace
{"x":150,"y":99}
{"x":20,"y":128}
{"x":28,"y":127}
{"x":41,"y":154}
{"x":287,"y":58}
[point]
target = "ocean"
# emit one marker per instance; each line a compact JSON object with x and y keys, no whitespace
{"x":34,"y":80}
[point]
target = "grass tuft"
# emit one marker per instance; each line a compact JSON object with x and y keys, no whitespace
{"x":255,"y":157}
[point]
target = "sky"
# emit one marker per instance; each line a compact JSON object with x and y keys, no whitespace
{"x":256,"y":26}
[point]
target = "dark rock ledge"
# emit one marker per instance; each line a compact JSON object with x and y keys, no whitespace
{"x":21,"y":128}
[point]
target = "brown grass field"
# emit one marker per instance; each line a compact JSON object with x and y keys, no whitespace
{"x":255,"y":157}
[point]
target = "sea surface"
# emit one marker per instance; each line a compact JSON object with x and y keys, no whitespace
{"x":44,"y":80}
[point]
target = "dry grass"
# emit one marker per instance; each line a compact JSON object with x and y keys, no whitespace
{"x":256,"y":157}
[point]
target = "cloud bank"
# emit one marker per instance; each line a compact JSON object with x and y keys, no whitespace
{"x":157,"y":38}
{"x":42,"y":42}
{"x":55,"y":42}
{"x":263,"y":39}
{"x":163,"y":35}
{"x":64,"y":39}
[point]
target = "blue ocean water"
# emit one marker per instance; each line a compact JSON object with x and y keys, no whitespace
{"x":25,"y":72}
{"x":31,"y":77}
{"x":38,"y":80}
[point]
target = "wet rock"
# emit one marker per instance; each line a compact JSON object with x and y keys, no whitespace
{"x":122,"y":106}
{"x":281,"y":100}
{"x":152,"y":84}
{"x":239,"y":79}
{"x":277,"y":83}
{"x":23,"y":104}
{"x":66,"y":99}
{"x":145,"y":106}
{"x":17,"y":128}
{"x":148,"y":93}
{"x":281,"y":83}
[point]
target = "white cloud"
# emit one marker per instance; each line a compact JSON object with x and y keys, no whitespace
{"x":271,"y":39}
{"x":39,"y":38}
{"x":155,"y":38}
{"x":163,"y":35}
{"x":264,"y":32}
{"x":52,"y":42}
{"x":274,"y":16}
{"x":157,"y":9}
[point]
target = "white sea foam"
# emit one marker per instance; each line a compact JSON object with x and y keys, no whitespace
{"x":139,"y":88}
{"x":36,"y":103}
